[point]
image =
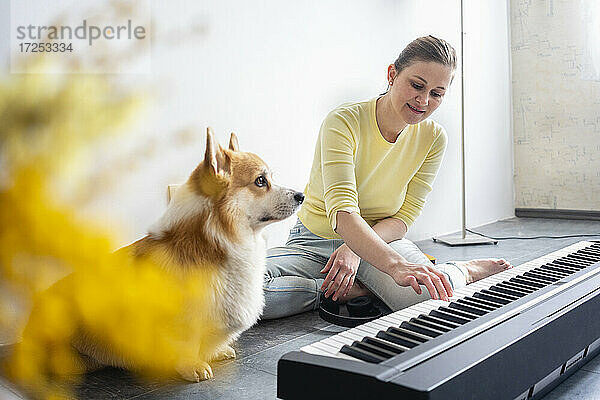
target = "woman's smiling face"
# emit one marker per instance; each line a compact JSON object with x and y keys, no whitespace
{"x":418,"y":90}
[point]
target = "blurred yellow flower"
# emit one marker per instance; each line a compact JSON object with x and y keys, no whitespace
{"x":136,"y":310}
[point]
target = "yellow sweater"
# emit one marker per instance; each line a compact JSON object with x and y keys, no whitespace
{"x":356,"y":170}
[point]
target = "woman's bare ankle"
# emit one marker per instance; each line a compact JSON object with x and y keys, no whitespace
{"x":482,"y":268}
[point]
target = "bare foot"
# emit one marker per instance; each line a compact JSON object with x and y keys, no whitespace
{"x":482,"y":268}
{"x":357,"y":290}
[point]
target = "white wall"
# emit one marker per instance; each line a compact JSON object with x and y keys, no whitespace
{"x":488,"y":135}
{"x":270,"y":71}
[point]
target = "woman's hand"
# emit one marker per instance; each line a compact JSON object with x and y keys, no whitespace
{"x":341,"y":270}
{"x":409,"y":274}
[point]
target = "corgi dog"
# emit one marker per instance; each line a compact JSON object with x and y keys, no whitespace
{"x":213,"y":223}
{"x":217,"y":218}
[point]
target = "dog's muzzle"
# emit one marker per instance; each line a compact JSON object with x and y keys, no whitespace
{"x":299,"y":197}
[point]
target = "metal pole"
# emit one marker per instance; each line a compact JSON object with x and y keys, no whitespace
{"x":462,"y":121}
{"x":462,"y":238}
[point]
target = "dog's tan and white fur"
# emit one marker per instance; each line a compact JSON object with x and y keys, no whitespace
{"x":216,"y":219}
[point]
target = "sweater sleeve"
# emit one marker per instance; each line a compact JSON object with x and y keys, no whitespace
{"x":338,"y":148}
{"x":421,"y":183}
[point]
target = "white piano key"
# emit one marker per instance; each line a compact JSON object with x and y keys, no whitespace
{"x":400,"y":316}
{"x":326,"y":348}
{"x":468,"y":291}
{"x":338,"y":341}
{"x":426,"y":306}
{"x":407,"y":312}
{"x":369,"y":330}
{"x":313,"y":350}
{"x":397,"y":319}
{"x":495,"y":278}
{"x":352,"y":335}
{"x":378,"y":324}
{"x":438,"y":303}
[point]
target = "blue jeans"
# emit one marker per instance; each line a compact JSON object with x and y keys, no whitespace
{"x":293,"y":282}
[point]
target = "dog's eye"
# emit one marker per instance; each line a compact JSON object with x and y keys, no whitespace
{"x":260,"y":181}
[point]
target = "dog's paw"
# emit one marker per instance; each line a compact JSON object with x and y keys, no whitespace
{"x":199,"y":371}
{"x":225,"y":353}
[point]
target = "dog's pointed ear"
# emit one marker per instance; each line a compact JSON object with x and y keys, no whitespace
{"x":233,"y":143}
{"x":210,"y":155}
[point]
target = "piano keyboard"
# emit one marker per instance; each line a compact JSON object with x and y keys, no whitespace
{"x":513,"y":335}
{"x":403,"y":330}
{"x":406,"y":329}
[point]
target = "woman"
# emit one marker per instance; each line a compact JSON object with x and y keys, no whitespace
{"x":374,"y":164}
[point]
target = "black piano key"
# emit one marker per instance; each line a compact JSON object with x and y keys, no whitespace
{"x":570,"y":264}
{"x":525,"y":284}
{"x":481,"y":302}
{"x":491,"y":298}
{"x":517,"y":286}
{"x":467,"y":308}
{"x":409,"y":334}
{"x":431,"y":325}
{"x":595,"y":254}
{"x":532,"y":278}
{"x":540,"y":277}
{"x":545,"y":272}
{"x":550,"y":272}
{"x":449,"y":316}
{"x":391,"y":347}
{"x":374,"y":349}
{"x":411,"y":326}
{"x":504,"y":296}
{"x":460,"y":313}
{"x":530,"y":282}
{"x":563,"y":265}
{"x":577,"y":257}
{"x":361,"y":354}
{"x":575,"y":260}
{"x":581,"y":257}
{"x":505,"y":291}
{"x":398,"y":339}
{"x":558,"y":275}
{"x":590,"y":256}
{"x":563,"y":270}
{"x":439,"y":321}
{"x":584,"y":258}
{"x":463,"y":307}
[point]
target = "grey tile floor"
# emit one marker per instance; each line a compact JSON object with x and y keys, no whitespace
{"x":253,"y":375}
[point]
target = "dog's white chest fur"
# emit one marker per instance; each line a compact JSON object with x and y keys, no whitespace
{"x":242,"y":297}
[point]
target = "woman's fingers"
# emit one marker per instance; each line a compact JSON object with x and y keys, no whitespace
{"x":426,"y":280}
{"x":436,"y":282}
{"x":335,"y":284}
{"x":342,"y":288}
{"x":445,"y":282}
{"x":329,"y":278}
{"x":329,"y":264}
{"x":412,"y":281}
{"x":441,"y":291}
{"x":350,"y":284}
{"x":341,"y":269}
